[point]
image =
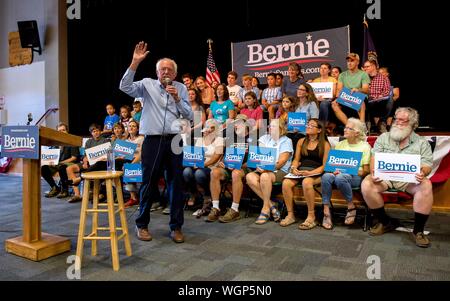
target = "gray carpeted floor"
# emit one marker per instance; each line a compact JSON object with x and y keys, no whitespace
{"x":235,"y":251}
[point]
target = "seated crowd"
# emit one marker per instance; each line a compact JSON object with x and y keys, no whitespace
{"x":231,"y":116}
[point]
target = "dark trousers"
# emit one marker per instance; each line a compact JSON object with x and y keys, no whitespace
{"x":47,"y":173}
{"x":156,"y":157}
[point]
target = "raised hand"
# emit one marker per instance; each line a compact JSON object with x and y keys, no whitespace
{"x":140,"y":53}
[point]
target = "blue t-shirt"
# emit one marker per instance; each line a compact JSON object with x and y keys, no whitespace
{"x":110,"y":121}
{"x":221,"y":111}
{"x":137,"y":116}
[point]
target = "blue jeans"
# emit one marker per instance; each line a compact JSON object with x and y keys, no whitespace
{"x":344,"y":183}
{"x":324,"y":110}
{"x":201,"y":177}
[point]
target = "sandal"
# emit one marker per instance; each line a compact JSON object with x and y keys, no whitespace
{"x":262,"y":219}
{"x":287,"y":221}
{"x":275,"y":213}
{"x":350,"y":217}
{"x":327,"y":223}
{"x":307,"y":225}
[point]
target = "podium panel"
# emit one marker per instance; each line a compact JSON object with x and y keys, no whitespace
{"x":33,"y":244}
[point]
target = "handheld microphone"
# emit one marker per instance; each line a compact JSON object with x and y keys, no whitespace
{"x":30,"y":118}
{"x":166,"y":81}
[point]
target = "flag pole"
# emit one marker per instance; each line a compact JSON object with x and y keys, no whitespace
{"x":209,"y":41}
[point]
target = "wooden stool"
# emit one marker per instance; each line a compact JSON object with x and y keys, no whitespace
{"x":109,"y":177}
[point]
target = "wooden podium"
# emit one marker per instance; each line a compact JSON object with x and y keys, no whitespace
{"x":33,"y":244}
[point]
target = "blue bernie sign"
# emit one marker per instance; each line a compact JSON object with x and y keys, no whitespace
{"x":262,"y":157}
{"x":132,"y":173}
{"x":352,"y":100}
{"x":343,"y":161}
{"x":124,"y":149}
{"x":297,"y":121}
{"x":234,"y":157}
{"x":20,"y":142}
{"x":193,"y":156}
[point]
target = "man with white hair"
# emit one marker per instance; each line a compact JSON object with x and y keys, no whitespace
{"x":402,"y":139}
{"x":165,"y":102}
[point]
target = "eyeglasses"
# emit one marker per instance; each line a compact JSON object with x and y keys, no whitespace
{"x":312,"y":126}
{"x":349,"y":129}
{"x":301,"y":89}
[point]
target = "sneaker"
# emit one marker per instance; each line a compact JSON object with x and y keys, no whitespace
{"x":166,"y":211}
{"x":155,"y":206}
{"x":421,"y":240}
{"x":230,"y":216}
{"x":197,"y":212}
{"x":52,"y":193}
{"x":131,"y":203}
{"x":213,"y":215}
{"x":63,"y":194}
{"x":380,"y":229}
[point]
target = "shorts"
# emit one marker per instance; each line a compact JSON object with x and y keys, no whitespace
{"x":401,"y":186}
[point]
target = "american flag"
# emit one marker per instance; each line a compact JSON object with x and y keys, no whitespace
{"x":212,"y":74}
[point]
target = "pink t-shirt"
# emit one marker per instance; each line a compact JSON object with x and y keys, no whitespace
{"x":255,"y":114}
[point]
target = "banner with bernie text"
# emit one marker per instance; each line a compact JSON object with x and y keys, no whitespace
{"x":261,"y":57}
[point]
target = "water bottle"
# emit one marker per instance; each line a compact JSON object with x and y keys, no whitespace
{"x":110,"y":161}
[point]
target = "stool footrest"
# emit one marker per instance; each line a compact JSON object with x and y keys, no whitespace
{"x":107,"y":228}
{"x":97,"y":238}
{"x":96,"y":210}
{"x":106,"y":204}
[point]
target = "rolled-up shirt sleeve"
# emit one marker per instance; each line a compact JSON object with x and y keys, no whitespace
{"x":184,"y":106}
{"x":133,"y":89}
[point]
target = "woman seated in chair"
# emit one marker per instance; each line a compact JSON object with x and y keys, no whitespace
{"x":261,"y":181}
{"x":310,"y":159}
{"x":199,"y":178}
{"x":355,"y":141}
{"x":133,"y":131}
